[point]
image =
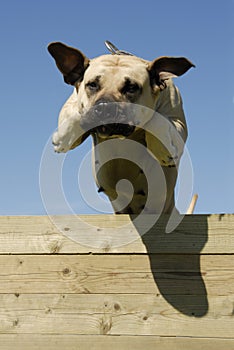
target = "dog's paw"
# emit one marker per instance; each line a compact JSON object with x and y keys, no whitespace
{"x":164,"y":142}
{"x":68,"y":132}
{"x":169,"y":161}
{"x":61,"y":142}
{"x":166,"y":157}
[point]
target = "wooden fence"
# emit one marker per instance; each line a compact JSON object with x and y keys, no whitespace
{"x":161,"y":291}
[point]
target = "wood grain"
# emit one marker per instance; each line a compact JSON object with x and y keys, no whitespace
{"x":111,"y":314}
{"x":170,"y":274}
{"x":92,"y":342}
{"x":160,"y":291}
{"x":209,"y":234}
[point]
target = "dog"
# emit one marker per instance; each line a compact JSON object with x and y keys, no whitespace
{"x":134,"y":113}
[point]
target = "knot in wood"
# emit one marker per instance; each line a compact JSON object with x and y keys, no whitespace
{"x":66,"y":271}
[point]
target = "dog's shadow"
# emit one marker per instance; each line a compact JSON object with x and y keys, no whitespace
{"x":175,"y":263}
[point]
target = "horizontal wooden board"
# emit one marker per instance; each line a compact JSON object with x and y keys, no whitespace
{"x":156,"y":273}
{"x":74,"y":342}
{"x":39,"y":235}
{"x":159,"y":291}
{"x":129,"y":314}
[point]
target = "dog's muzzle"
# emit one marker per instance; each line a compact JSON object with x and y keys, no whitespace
{"x":108,"y":119}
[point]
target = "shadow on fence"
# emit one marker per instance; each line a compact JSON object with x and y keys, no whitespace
{"x":175,"y":264}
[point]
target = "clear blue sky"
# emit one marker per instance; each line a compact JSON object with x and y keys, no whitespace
{"x":32,"y":90}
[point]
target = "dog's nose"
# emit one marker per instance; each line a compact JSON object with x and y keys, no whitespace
{"x":108,"y":118}
{"x":105,"y":110}
{"x":99,"y":108}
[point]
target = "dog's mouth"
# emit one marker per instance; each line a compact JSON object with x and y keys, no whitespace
{"x":108,"y":120}
{"x":115,"y":129}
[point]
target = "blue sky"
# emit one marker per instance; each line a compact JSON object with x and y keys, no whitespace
{"x":32,"y":90}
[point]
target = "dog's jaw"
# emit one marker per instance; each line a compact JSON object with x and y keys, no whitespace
{"x":109,"y":119}
{"x":115,"y":130}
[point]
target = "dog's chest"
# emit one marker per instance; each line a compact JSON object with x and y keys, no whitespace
{"x":115,"y":159}
{"x":123,"y":170}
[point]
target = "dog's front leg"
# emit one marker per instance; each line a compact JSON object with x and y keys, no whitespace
{"x":69,"y":133}
{"x":164,"y":139}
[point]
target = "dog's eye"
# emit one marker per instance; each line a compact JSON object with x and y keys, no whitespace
{"x":92,"y":85}
{"x":130,"y":88}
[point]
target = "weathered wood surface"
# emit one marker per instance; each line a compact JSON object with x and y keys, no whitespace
{"x":101,"y":342}
{"x":172,"y":274}
{"x":207,"y":234}
{"x":161,"y":291}
{"x":110,"y":314}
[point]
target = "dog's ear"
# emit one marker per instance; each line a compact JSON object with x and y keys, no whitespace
{"x":71,"y":62}
{"x":163,"y":68}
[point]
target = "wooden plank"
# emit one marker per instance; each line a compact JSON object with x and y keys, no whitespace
{"x":162,"y":274}
{"x":74,"y":342}
{"x":113,"y":315}
{"x":197,"y":233}
{"x":64,"y":297}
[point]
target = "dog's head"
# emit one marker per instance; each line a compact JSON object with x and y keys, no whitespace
{"x":108,"y":84}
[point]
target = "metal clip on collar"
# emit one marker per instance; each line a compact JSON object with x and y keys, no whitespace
{"x":114,"y":50}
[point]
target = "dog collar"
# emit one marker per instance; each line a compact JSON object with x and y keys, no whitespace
{"x":115,"y":51}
